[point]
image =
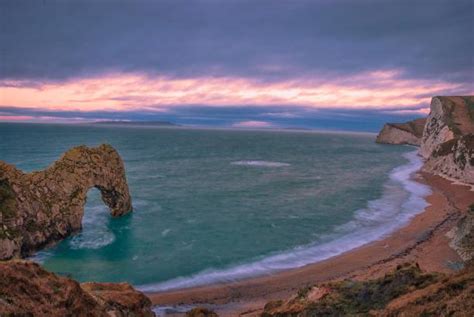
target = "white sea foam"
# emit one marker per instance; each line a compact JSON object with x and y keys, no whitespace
{"x":402,"y":199}
{"x":165,"y":232}
{"x":260,"y":163}
{"x":94,"y":233}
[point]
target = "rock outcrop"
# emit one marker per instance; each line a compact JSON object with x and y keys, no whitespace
{"x":410,"y":132}
{"x":43,"y":207}
{"x":26,"y":289}
{"x":462,"y":236}
{"x":406,"y":291}
{"x":448,"y":138}
{"x":449,"y":118}
{"x":453,"y":159}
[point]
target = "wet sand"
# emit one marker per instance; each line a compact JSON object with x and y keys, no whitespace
{"x":423,"y":240}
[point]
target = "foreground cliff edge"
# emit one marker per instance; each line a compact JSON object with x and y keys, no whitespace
{"x":26,"y":289}
{"x":44,"y":207}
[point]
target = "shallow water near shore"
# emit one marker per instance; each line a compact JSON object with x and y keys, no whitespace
{"x":222,"y":205}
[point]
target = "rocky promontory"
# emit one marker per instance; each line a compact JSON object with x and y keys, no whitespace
{"x":40,"y":208}
{"x":402,"y":133}
{"x":26,"y":289}
{"x":445,"y":137}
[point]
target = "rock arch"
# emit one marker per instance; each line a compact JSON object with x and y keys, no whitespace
{"x":43,"y":207}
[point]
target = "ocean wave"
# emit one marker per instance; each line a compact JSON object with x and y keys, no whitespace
{"x":401,"y":200}
{"x":260,"y":163}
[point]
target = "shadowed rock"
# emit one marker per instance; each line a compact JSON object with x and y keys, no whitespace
{"x":44,"y":207}
{"x":26,"y":289}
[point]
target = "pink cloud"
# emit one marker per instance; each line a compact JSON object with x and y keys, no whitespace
{"x":131,"y":91}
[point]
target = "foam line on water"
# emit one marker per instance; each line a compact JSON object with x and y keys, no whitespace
{"x":260,"y":163}
{"x":401,"y":200}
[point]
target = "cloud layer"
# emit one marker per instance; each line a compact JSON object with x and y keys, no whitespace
{"x":152,"y":56}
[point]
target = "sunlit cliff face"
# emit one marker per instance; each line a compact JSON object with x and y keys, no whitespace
{"x":122,"y":92}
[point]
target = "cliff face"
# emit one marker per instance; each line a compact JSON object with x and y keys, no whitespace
{"x":402,"y":133}
{"x":28,"y":290}
{"x":44,"y":207}
{"x":453,"y":159}
{"x":448,"y":138}
{"x":449,"y":118}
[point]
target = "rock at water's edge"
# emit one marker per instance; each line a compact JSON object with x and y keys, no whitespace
{"x":402,"y":133}
{"x":44,"y":207}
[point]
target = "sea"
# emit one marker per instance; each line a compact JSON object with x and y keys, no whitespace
{"x":216,"y":205}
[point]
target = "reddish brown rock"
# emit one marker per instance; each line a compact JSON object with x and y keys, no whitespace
{"x":26,"y":289}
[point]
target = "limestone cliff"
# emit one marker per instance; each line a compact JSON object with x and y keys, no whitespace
{"x":448,"y":138}
{"x":449,"y":118}
{"x":402,"y":133}
{"x":453,"y":159}
{"x":26,"y":289}
{"x":43,"y":207}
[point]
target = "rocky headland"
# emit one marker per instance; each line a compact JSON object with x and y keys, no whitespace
{"x":410,"y":132}
{"x":446,"y":140}
{"x":44,"y":207}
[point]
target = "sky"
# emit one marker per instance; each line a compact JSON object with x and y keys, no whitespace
{"x":332,"y":64}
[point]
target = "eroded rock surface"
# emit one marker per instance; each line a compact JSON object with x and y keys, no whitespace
{"x":462,"y":236}
{"x":43,"y":207}
{"x":26,"y":289}
{"x":453,"y":159}
{"x":450,"y":117}
{"x":402,"y":133}
{"x":448,"y":138}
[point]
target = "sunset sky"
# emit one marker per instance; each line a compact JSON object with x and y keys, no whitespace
{"x":341,"y":64}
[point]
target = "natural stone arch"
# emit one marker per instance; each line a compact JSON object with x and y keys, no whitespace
{"x":43,"y":207}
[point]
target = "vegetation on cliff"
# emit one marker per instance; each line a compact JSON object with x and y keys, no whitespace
{"x":406,"y":291}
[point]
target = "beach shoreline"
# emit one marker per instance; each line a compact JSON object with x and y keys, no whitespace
{"x":422,"y":240}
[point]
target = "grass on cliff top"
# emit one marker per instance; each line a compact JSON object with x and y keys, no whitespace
{"x":470,"y":106}
{"x":354,"y":298}
{"x":7,"y":200}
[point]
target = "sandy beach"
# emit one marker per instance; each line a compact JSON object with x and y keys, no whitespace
{"x":423,"y":240}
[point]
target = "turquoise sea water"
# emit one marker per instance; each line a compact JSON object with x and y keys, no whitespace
{"x":219,"y":205}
